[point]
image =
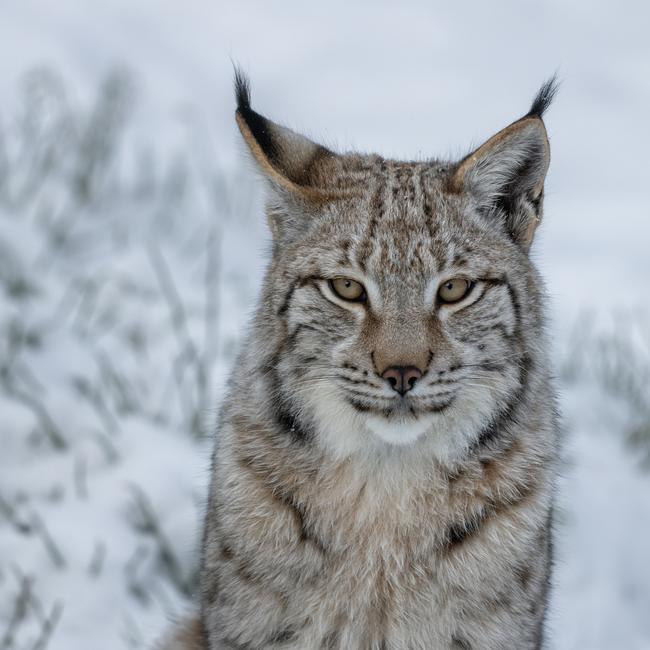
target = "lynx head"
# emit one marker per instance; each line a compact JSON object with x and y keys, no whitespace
{"x":400,"y":306}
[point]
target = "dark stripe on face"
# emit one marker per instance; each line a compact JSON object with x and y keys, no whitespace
{"x":442,"y":382}
{"x":313,"y":326}
{"x":376,"y":209}
{"x":436,"y":408}
{"x":499,"y":422}
{"x":284,"y":306}
{"x":361,"y":407}
{"x":287,"y":423}
{"x":358,"y":406}
{"x":496,"y":283}
{"x":293,"y":335}
{"x":295,"y":284}
{"x":366,"y":403}
{"x":426,"y":202}
{"x":357,"y":382}
{"x":515,"y":303}
{"x":491,"y":366}
{"x":357,"y":392}
{"x":345,"y":246}
{"x":478,"y":333}
{"x":512,"y":294}
{"x":507,"y":416}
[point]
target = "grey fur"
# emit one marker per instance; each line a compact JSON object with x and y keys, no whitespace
{"x":342,"y":516}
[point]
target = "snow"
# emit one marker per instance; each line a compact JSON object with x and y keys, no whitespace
{"x":93,"y":331}
{"x":601,"y":593}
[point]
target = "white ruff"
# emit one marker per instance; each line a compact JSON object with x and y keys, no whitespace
{"x":398,"y":432}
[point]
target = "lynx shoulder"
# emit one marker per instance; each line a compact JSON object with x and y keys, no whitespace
{"x":384,"y":470}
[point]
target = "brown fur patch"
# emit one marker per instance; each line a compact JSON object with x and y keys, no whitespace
{"x":189,"y":635}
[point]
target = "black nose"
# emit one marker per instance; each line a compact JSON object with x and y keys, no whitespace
{"x":401,"y":378}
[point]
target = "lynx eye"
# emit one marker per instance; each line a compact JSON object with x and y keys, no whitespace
{"x":347,"y":289}
{"x":454,"y":290}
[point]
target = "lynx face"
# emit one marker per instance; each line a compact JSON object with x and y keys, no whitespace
{"x":397,"y":289}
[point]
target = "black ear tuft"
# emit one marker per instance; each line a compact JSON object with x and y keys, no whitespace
{"x":242,"y":91}
{"x":544,"y":98}
{"x":258,"y":125}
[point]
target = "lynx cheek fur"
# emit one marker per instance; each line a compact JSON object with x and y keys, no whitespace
{"x":384,"y":469}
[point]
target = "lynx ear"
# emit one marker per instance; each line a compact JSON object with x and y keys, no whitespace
{"x":505,"y":176}
{"x":290,"y":161}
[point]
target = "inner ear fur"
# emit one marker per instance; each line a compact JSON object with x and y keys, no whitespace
{"x":505,"y":175}
{"x":520,"y":150}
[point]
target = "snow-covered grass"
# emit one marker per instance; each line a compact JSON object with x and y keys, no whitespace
{"x":112,"y":352}
{"x":602,"y":582}
{"x":615,"y":355}
{"x":131,"y":249}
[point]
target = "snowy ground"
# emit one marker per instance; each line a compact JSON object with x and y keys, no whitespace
{"x":132,"y":244}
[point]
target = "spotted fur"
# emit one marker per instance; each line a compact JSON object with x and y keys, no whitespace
{"x":342,"y":515}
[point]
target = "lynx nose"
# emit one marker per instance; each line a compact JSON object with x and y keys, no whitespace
{"x":401,"y":378}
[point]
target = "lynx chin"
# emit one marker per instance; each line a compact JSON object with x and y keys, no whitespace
{"x":384,"y":468}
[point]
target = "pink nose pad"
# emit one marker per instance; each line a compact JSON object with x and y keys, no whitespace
{"x":402,"y":378}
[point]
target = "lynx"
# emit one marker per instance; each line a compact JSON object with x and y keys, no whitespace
{"x":384,"y":468}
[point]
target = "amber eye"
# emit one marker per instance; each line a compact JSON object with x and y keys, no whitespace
{"x":348,"y":289}
{"x":454,"y":290}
